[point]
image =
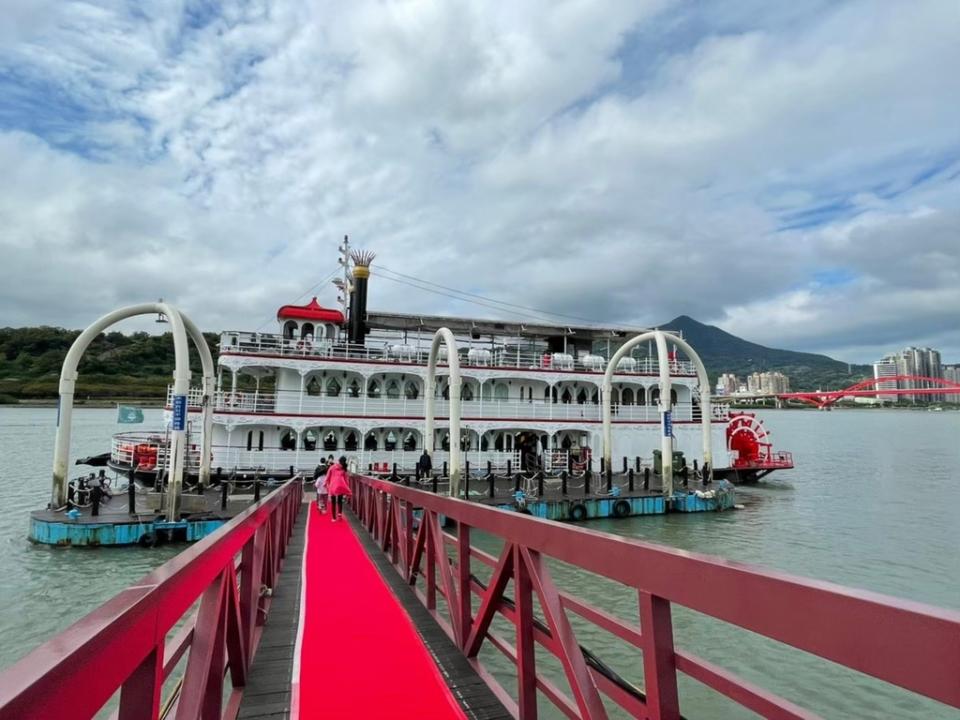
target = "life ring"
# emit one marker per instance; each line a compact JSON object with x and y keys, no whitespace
{"x":621,"y":509}
{"x":578,"y":512}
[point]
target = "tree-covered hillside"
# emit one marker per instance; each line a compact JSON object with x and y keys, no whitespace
{"x":115,"y":365}
{"x":722,"y":352}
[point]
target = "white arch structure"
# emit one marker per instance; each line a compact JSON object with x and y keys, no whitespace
{"x":453,"y":363}
{"x":666,"y":438}
{"x":182,"y":327}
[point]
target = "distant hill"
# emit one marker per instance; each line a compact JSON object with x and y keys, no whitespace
{"x":722,"y":352}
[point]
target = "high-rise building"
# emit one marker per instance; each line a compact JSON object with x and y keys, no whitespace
{"x":727,"y":384}
{"x":919,"y":362}
{"x":886,"y":368}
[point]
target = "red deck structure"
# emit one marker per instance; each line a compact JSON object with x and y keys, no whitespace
{"x":134,"y":641}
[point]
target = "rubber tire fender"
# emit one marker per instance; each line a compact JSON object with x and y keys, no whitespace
{"x":578,"y":512}
{"x":148,"y":540}
{"x":621,"y":509}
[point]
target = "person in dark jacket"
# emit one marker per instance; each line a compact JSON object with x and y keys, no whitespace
{"x":424,"y":464}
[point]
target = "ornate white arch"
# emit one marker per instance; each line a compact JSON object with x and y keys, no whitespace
{"x":181,"y":327}
{"x":453,"y":368}
{"x":666,"y":440}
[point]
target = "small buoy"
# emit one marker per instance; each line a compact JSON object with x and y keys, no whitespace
{"x":738,"y":506}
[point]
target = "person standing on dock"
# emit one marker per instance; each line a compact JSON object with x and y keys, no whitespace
{"x":337,"y":486}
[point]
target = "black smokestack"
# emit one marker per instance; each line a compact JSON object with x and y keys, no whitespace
{"x":358,"y":298}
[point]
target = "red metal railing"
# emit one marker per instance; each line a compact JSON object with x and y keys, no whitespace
{"x":124,"y":646}
{"x":914,"y":646}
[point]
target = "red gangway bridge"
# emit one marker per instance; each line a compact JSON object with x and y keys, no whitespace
{"x":873,"y":388}
{"x":284,"y":614}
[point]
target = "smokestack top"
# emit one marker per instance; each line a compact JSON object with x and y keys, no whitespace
{"x":361,"y":262}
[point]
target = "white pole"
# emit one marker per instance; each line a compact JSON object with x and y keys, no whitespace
{"x":453,"y":362}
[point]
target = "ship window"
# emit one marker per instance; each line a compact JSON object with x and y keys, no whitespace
{"x":373,"y":389}
{"x":673,"y":397}
{"x":353,"y":390}
{"x":371,"y":442}
{"x":546,"y":393}
{"x":260,"y":443}
{"x":393,"y":390}
{"x":411,"y":391}
{"x":310,"y":440}
{"x":466,"y":393}
{"x":289,"y":330}
{"x":641,"y":396}
{"x":333,"y":387}
{"x":250,"y":440}
{"x":567,"y":396}
{"x":410,"y":442}
{"x":350,"y":442}
{"x":446,"y":392}
{"x":446,"y":442}
{"x":484,"y":444}
{"x":626,"y":397}
{"x":595,"y":398}
{"x":581,"y":397}
{"x":314,"y":387}
{"x":288,"y":440}
{"x":330,"y":441}
{"x":498,"y":443}
{"x":307,"y":330}
{"x":390,"y":442}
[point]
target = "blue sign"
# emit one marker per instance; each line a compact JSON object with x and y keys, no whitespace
{"x":667,"y":424}
{"x":179,"y":412}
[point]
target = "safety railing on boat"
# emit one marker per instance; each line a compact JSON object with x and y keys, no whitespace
{"x":501,"y":357}
{"x":128,"y":647}
{"x":296,"y":403}
{"x":147,"y":451}
{"x":907,"y":644}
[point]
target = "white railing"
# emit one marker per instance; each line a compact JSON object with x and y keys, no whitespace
{"x":147,"y":451}
{"x":294,"y":403}
{"x":503,"y":357}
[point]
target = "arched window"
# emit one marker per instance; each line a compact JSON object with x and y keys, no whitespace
{"x":411,"y":391}
{"x":250,"y":440}
{"x":353,"y":389}
{"x":330,"y":441}
{"x":390,"y":441}
{"x":289,"y":330}
{"x":546,"y":393}
{"x":371,"y":442}
{"x":260,"y":442}
{"x":350,"y":442}
{"x":373,"y":389}
{"x":446,"y":442}
{"x":307,"y":331}
{"x":595,"y":398}
{"x":445,"y":393}
{"x":333,"y":387}
{"x":310,"y":440}
{"x":410,"y":442}
{"x":641,"y":396}
{"x":626,"y":397}
{"x":498,"y":443}
{"x":466,"y":393}
{"x":393,"y":390}
{"x":581,"y":397}
{"x":314,"y":387}
{"x":288,"y":440}
{"x":484,"y":443}
{"x":567,"y":397}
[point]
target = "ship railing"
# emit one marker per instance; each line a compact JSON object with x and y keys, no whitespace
{"x":344,"y":404}
{"x":501,"y":357}
{"x":599,"y":651}
{"x":200,"y":614}
{"x":148,"y":451}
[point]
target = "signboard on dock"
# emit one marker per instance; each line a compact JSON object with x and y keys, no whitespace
{"x":667,"y":424}
{"x":179,"y":412}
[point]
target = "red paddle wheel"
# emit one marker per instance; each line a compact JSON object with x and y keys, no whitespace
{"x":754,"y":456}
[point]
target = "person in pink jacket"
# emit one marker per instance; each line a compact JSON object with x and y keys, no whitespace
{"x":337,"y":486}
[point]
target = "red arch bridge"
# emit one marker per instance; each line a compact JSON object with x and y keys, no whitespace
{"x":873,"y":388}
{"x":283,"y":613}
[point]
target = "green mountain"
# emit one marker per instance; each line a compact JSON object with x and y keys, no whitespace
{"x":722,"y":352}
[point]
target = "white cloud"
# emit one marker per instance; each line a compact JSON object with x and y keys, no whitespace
{"x":503,"y":149}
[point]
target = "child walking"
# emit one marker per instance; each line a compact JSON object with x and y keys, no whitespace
{"x":337,"y":487}
{"x":321,"y":485}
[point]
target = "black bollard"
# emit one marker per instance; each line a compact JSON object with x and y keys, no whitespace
{"x":694,"y":467}
{"x":706,"y":473}
{"x":406,"y":480}
{"x":603,"y":469}
{"x":224,"y":489}
{"x":132,"y":498}
{"x":292,"y":471}
{"x":630,"y":479}
{"x":394,"y":477}
{"x":493,"y":488}
{"x":466,"y":480}
{"x":540,"y":485}
{"x":508,"y":469}
{"x":256,"y":490}
{"x":95,"y":493}
{"x":369,"y":468}
{"x":586,"y":482}
{"x":516,"y":483}
{"x":625,"y":463}
{"x":434,"y":483}
{"x":684,"y":474}
{"x":563,"y":483}
{"x":636,"y":463}
{"x":489,"y":467}
{"x":646,"y":478}
{"x":445,"y":469}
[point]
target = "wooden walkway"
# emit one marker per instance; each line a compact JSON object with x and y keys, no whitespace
{"x":268,"y":693}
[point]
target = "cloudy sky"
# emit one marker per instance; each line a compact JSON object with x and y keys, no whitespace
{"x":787,"y":171}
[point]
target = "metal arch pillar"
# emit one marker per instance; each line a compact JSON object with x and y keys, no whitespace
{"x":453,"y":363}
{"x":209,"y":385}
{"x":666,"y":444}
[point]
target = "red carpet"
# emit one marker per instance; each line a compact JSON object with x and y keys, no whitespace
{"x":360,"y":654}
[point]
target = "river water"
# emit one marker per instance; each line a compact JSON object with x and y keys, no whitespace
{"x":872,"y":504}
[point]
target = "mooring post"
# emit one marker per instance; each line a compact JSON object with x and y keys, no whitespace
{"x":95,"y":493}
{"x":586,"y":482}
{"x":466,"y":480}
{"x":292,"y":471}
{"x":224,"y":489}
{"x":603,"y":468}
{"x":706,"y":473}
{"x":493,"y":484}
{"x":630,"y":479}
{"x":563,"y":483}
{"x":256,"y":490}
{"x":516,"y":483}
{"x":132,"y":498}
{"x":685,"y":475}
{"x":394,"y":477}
{"x":445,"y":469}
{"x":646,"y":478}
{"x":637,"y":463}
{"x":625,"y":463}
{"x":509,"y":473}
{"x":540,"y":485}
{"x":489,"y":467}
{"x":434,"y":477}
